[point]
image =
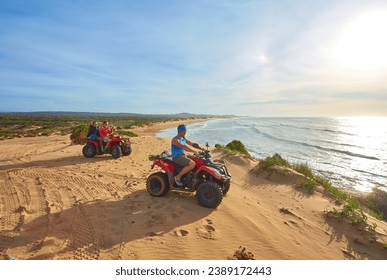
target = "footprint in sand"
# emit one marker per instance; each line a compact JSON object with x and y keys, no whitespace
{"x":290,"y":222}
{"x":158,"y":206}
{"x":170,"y":209}
{"x":153,"y":233}
{"x":155,"y":219}
{"x":38,"y":181}
{"x":181,"y":232}
{"x":175,"y":216}
{"x":128,"y":183}
{"x":207,"y":230}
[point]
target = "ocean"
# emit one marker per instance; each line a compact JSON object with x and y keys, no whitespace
{"x":350,"y":152}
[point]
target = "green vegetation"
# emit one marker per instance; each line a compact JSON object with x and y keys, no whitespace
{"x":79,"y":133}
{"x":306,"y":184}
{"x":233,"y":147}
{"x":353,"y":207}
{"x":126,"y":133}
{"x":352,"y":211}
{"x":44,"y":124}
{"x":304,"y":169}
{"x":269,"y":164}
{"x":376,"y":202}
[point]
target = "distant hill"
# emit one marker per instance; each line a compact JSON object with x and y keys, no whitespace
{"x":94,"y":114}
{"x":29,"y":124}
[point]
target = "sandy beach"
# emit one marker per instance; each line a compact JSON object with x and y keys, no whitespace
{"x":57,"y":204}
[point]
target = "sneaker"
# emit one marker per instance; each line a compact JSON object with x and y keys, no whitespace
{"x":178,"y":182}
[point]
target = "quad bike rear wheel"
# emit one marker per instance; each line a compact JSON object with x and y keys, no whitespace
{"x":209,"y":194}
{"x":157,"y":184}
{"x":89,"y":151}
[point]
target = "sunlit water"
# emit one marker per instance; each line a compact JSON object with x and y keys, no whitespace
{"x":350,"y":152}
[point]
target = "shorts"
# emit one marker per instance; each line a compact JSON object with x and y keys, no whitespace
{"x":181,"y":160}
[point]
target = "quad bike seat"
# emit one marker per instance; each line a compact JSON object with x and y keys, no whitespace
{"x":177,"y":166}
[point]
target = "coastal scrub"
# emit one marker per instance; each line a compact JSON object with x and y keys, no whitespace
{"x":233,"y":147}
{"x":79,"y":133}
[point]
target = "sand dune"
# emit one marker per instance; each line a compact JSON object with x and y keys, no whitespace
{"x":56,"y":204}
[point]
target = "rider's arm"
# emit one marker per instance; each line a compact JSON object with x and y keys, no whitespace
{"x":188,"y":142}
{"x":176,"y":142}
{"x":195,"y":145}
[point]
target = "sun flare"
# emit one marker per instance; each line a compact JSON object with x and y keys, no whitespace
{"x":362,"y":45}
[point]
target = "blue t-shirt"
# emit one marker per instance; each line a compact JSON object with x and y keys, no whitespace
{"x":177,"y":150}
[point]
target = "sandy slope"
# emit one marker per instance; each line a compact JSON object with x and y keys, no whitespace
{"x":56,"y":204}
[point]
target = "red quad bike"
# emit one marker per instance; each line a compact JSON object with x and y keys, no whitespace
{"x":209,"y":179}
{"x":117,"y":147}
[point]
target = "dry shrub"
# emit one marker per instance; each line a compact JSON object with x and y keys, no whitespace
{"x":242,"y":254}
{"x":79,"y":134}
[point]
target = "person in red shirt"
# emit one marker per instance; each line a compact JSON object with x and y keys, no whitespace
{"x":104,"y":131}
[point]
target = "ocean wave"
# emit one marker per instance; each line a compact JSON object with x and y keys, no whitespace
{"x":369,"y":173}
{"x":348,"y":153}
{"x":319,"y":129}
{"x":337,"y":151}
{"x":339,"y":143}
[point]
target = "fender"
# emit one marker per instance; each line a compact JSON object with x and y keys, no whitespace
{"x":210,"y":170}
{"x":198,"y":162}
{"x":93,"y":142}
{"x":165,"y":166}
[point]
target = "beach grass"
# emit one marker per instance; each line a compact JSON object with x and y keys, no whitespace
{"x":353,"y":207}
{"x":306,"y":184}
{"x":269,"y":164}
{"x":234,"y":147}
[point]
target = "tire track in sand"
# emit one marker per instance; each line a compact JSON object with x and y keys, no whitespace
{"x":10,"y":218}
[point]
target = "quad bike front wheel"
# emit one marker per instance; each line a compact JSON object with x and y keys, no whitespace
{"x":116,"y":152}
{"x":157,"y":184}
{"x":209,"y":194}
{"x":126,"y":150}
{"x":89,"y":151}
{"x":226,"y":188}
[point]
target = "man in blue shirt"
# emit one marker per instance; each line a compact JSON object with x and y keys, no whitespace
{"x":178,"y":147}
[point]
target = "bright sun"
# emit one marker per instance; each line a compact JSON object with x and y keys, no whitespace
{"x":362,"y":45}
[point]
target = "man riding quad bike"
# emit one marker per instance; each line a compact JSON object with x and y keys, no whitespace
{"x":209,"y":179}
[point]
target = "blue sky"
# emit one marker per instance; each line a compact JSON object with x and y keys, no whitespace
{"x":257,"y":58}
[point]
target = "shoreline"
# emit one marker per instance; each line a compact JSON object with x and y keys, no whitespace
{"x":153,"y":129}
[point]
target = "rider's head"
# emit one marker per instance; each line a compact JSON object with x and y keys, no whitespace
{"x":105,"y":123}
{"x":181,"y":129}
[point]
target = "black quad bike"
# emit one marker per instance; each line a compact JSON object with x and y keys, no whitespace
{"x":209,"y":179}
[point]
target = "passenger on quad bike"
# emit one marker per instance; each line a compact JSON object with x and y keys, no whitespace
{"x":104,"y":131}
{"x":178,"y":146}
{"x":93,"y":134}
{"x":115,"y":145}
